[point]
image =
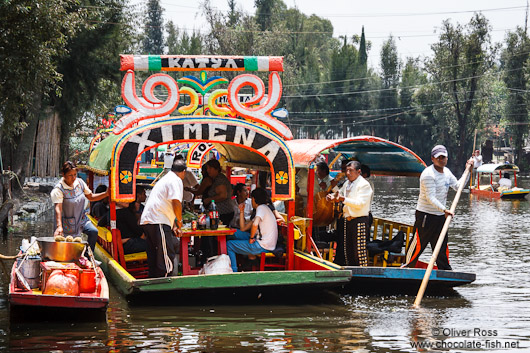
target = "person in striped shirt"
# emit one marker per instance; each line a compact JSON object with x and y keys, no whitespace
{"x":431,"y":212}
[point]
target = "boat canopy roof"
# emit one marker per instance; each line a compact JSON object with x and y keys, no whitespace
{"x":382,"y":156}
{"x":100,"y":158}
{"x":492,"y":168}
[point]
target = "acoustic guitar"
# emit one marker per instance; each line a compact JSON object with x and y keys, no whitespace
{"x":323,"y":211}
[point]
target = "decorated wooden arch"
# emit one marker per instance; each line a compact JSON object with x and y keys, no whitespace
{"x":259,"y":140}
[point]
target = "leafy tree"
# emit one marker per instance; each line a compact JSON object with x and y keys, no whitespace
{"x":515,"y":62}
{"x":267,"y":12}
{"x":417,"y":129}
{"x":388,"y":98}
{"x":342,"y":68}
{"x":234,"y":14}
{"x":33,"y":37}
{"x":153,"y":29}
{"x":172,"y":38}
{"x":462,"y":56}
{"x":91,"y":83}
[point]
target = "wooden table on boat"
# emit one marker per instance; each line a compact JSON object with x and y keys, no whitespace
{"x":185,"y":238}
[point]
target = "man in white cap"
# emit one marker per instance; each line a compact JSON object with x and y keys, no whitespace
{"x":431,"y":211}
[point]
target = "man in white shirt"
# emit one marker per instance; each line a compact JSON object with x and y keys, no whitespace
{"x":352,"y":226}
{"x":435,"y":181}
{"x":505,"y":183}
{"x":163,"y":206}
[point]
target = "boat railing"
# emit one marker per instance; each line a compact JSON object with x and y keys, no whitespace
{"x":384,"y":229}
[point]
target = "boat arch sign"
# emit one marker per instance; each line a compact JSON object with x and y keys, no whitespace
{"x":241,"y":133}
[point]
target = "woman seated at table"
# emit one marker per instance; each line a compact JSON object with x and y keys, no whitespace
{"x":263,"y":231}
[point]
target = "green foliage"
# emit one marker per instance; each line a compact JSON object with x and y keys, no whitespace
{"x":33,"y":37}
{"x":90,"y":79}
{"x":268,"y":12}
{"x":178,"y":42}
{"x":462,"y":56}
{"x":515,"y":62}
{"x":153,"y":42}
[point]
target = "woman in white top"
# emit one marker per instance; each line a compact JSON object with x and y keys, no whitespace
{"x":263,"y":231}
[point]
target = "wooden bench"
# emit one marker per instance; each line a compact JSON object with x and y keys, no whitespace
{"x":135,"y":264}
{"x":384,"y":229}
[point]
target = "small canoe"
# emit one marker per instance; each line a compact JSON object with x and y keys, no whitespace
{"x":21,"y":293}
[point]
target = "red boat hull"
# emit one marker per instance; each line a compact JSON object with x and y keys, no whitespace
{"x":97,"y":300}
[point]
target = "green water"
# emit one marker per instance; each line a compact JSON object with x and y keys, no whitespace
{"x":490,"y":238}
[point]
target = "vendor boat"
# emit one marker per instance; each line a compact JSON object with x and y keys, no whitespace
{"x":383,"y":273}
{"x":492,"y":189}
{"x":244,"y":136}
{"x":58,"y":285}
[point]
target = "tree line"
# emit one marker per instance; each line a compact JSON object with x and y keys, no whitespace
{"x":62,"y":57}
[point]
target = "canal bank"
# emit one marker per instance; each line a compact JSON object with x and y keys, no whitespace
{"x":32,"y":201}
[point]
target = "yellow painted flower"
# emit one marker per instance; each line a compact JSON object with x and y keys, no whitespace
{"x":126,"y":177}
{"x":282,"y":177}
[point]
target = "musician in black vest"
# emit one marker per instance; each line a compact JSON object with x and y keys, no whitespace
{"x":352,"y":226}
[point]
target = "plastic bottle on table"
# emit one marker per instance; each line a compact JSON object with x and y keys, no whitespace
{"x":201,"y":223}
{"x":214,"y":216}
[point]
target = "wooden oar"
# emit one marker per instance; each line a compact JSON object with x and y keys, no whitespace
{"x":473,"y":153}
{"x":438,"y":246}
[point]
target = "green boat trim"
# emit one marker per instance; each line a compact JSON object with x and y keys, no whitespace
{"x":127,"y":284}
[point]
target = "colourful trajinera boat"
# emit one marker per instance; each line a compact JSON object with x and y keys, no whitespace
{"x":245,"y":135}
{"x":384,"y":273}
{"x":492,"y":189}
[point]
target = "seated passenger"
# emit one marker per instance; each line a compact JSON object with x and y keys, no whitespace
{"x":137,"y":206}
{"x":101,"y":207}
{"x":263,"y":231}
{"x":241,"y":193}
{"x":324,"y":179}
{"x":127,"y":222}
{"x":132,"y":236}
{"x":505,"y":183}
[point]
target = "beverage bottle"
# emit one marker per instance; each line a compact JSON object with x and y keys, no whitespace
{"x":214,"y":216}
{"x":201,"y":224}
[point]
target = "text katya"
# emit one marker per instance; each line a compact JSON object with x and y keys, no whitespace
{"x":474,"y":332}
{"x":204,"y":63}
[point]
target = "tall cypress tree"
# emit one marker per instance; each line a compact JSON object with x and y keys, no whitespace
{"x":153,"y":29}
{"x":363,"y":54}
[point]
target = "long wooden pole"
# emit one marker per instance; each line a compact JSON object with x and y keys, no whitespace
{"x":438,"y":246}
{"x":473,"y":153}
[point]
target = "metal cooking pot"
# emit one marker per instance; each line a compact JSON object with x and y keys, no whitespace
{"x":62,"y":251}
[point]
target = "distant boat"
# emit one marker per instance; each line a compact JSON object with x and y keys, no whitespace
{"x":492,"y":189}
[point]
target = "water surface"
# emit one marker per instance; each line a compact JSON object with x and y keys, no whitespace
{"x":487,"y":237}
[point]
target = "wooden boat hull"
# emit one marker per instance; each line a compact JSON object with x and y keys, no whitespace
{"x":398,"y":280}
{"x":505,"y":195}
{"x":205,"y":287}
{"x":35,"y":298}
